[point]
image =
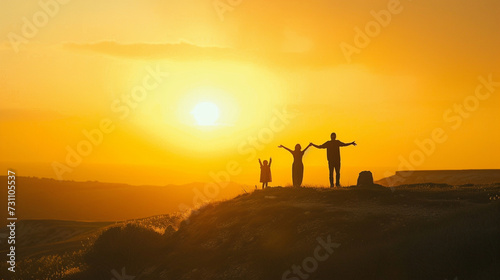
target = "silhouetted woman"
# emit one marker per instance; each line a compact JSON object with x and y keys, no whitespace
{"x":297,"y":166}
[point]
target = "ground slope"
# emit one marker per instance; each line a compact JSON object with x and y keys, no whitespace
{"x":411,"y":232}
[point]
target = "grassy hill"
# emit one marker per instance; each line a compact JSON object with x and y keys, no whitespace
{"x":431,"y":231}
{"x":52,"y":249}
{"x":411,"y":232}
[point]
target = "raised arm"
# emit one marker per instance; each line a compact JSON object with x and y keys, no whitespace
{"x":270,"y":161}
{"x":260,"y":162}
{"x":281,"y":146}
{"x":310,"y":144}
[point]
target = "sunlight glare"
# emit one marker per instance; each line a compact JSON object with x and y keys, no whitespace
{"x":205,"y":113}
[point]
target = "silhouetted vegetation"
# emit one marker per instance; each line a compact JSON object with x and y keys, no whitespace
{"x":124,"y":246}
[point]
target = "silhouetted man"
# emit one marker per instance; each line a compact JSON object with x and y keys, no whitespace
{"x":333,"y":154}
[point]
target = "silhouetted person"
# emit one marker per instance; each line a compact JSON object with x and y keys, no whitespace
{"x":265,"y":172}
{"x":333,"y":154}
{"x":297,"y":166}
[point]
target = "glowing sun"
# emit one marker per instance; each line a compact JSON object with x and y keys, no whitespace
{"x":205,"y":113}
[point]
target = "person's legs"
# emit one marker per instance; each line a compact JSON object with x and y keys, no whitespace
{"x":297,"y":174}
{"x":294,"y":174}
{"x":330,"y":169}
{"x":263,"y":185}
{"x":337,"y":174}
{"x":300,"y":175}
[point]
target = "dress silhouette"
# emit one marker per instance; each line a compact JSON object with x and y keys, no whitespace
{"x":297,"y":166}
{"x":265,"y":172}
{"x":333,"y":155}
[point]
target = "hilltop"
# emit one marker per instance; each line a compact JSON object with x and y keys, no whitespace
{"x":411,"y":232}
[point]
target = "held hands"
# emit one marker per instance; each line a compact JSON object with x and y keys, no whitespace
{"x":280,"y":146}
{"x":354,"y":143}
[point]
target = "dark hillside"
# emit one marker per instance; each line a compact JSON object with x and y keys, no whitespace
{"x":412,"y":232}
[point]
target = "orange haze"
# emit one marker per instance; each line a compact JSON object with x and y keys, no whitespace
{"x":103,"y":90}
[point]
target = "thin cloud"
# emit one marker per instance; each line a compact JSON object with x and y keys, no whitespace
{"x":190,"y":52}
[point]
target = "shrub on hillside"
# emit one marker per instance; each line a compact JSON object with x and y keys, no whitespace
{"x":124,"y":246}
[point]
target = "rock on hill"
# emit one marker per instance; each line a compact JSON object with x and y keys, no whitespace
{"x":413,"y":232}
{"x":450,"y":177}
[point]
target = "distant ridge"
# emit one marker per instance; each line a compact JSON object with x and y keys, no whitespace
{"x":450,"y":177}
{"x":42,"y":198}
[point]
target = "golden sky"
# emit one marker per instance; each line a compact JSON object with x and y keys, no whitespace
{"x":279,"y":72}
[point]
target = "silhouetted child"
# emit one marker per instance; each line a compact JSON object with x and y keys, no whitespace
{"x":265,"y":172}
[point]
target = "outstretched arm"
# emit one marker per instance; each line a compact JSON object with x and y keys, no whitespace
{"x":348,"y":144}
{"x":318,"y":146}
{"x":260,"y":162}
{"x":281,"y":146}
